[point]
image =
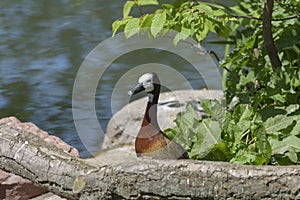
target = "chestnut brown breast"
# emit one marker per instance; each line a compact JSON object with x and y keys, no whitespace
{"x":159,"y":147}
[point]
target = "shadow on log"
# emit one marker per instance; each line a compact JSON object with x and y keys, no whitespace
{"x":31,"y":157}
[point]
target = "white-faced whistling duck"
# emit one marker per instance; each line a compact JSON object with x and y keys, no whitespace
{"x":151,"y":141}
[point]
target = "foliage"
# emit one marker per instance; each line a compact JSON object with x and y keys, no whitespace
{"x":187,"y":19}
{"x":264,"y":126}
{"x":242,"y":136}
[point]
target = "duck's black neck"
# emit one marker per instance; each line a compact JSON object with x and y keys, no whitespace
{"x":151,"y":110}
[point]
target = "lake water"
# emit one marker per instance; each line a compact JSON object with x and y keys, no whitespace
{"x":43,"y":44}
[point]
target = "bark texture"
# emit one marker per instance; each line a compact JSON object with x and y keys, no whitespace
{"x":68,"y":176}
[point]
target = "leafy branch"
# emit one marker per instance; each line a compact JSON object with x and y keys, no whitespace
{"x":187,"y":19}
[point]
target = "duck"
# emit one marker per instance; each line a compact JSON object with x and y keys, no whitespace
{"x":151,"y":141}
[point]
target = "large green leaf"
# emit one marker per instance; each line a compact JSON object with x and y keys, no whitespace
{"x":117,"y":25}
{"x":263,"y":143}
{"x":242,"y":112}
{"x":280,"y":147}
{"x":187,"y":123}
{"x":204,"y":9}
{"x":146,"y":21}
{"x":289,"y":37}
{"x":220,"y":152}
{"x":215,"y":110}
{"x":127,"y":8}
{"x":277,"y":123}
{"x":292,"y":141}
{"x":202,"y":33}
{"x":296,"y":129}
{"x":182,"y":35}
{"x":147,"y":2}
{"x":239,"y":129}
{"x":210,"y":131}
{"x":288,"y":147}
{"x":292,"y":108}
{"x":158,"y":23}
{"x":187,"y":119}
{"x":132,"y":27}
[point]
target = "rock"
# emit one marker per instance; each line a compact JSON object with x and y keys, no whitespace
{"x":125,"y":124}
{"x":14,"y":187}
{"x":32,"y":128}
{"x":48,"y":196}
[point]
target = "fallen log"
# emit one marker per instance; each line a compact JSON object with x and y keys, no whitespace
{"x":68,"y":176}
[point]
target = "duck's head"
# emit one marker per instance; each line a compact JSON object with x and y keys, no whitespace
{"x":149,"y":83}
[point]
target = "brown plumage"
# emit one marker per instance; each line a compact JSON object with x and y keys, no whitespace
{"x":151,"y":141}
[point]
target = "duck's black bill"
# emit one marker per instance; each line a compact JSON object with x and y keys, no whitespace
{"x":137,"y":89}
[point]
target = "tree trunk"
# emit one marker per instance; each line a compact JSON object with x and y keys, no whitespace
{"x":268,"y":36}
{"x":29,"y":156}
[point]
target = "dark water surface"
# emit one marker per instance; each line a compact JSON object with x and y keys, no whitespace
{"x":42,"y":45}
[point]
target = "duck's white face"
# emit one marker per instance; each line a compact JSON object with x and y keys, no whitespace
{"x":147,"y":81}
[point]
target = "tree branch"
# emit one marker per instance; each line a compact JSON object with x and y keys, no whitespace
{"x":260,"y":19}
{"x":287,"y":18}
{"x":109,"y":177}
{"x":268,"y":37}
{"x":246,"y":17}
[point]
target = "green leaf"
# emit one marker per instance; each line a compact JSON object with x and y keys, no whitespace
{"x":296,"y":129}
{"x":248,"y":157}
{"x":215,"y":109}
{"x":187,"y":119}
{"x":201,"y":34}
{"x":292,"y":108}
{"x":271,"y":111}
{"x":292,"y":156}
{"x":242,"y":112}
{"x":158,"y":23}
{"x":187,"y":123}
{"x":292,"y":141}
{"x":147,"y":2}
{"x":277,"y":123}
{"x":219,"y":13}
{"x":209,"y":133}
{"x":117,"y":25}
{"x":239,"y":129}
{"x":262,"y":142}
{"x":287,"y":147}
{"x":289,"y":37}
{"x":127,"y":8}
{"x":278,"y":147}
{"x":146,"y":21}
{"x":182,"y":35}
{"x":171,"y":133}
{"x":132,"y":27}
{"x":220,"y":152}
{"x":204,"y":8}
{"x":168,"y":6}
